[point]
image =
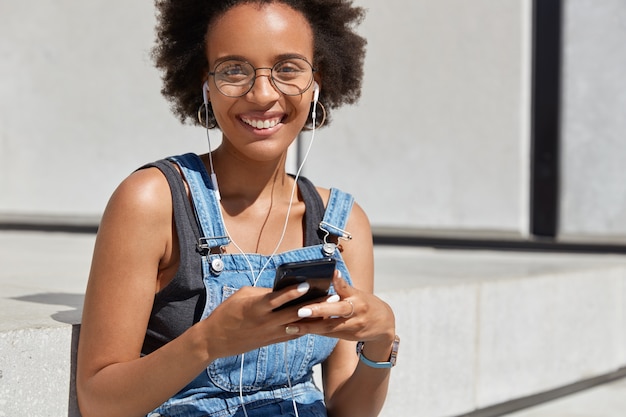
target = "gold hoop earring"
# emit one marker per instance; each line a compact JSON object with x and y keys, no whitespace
{"x":201,"y":112}
{"x":320,"y":124}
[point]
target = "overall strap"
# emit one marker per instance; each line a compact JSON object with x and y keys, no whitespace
{"x":205,"y":202}
{"x":336,"y":216}
{"x":209,"y":215}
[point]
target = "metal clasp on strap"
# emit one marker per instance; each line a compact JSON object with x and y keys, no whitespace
{"x":329,"y":247}
{"x":207,"y":245}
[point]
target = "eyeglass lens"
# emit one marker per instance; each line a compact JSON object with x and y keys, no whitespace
{"x":234,"y":78}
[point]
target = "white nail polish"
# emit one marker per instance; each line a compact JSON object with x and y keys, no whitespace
{"x":339,"y":274}
{"x":333,"y":298}
{"x":304,"y":287}
{"x":305,"y":312}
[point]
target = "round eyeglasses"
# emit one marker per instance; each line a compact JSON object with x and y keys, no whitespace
{"x":235,"y":78}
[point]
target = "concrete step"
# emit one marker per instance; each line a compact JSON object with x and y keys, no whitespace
{"x":42,"y":283}
{"x":607,"y":400}
{"x":482,"y":328}
{"x":478,"y":328}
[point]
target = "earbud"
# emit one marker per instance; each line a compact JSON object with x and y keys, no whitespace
{"x":316,"y":96}
{"x":205,"y":90}
{"x":316,"y":92}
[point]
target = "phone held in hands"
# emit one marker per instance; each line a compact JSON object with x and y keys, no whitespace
{"x":317,"y":273}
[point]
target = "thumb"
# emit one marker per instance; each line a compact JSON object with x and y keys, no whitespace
{"x":341,"y":285}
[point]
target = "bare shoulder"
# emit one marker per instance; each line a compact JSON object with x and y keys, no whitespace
{"x":139,"y":212}
{"x":144,"y":188}
{"x":144,"y":195}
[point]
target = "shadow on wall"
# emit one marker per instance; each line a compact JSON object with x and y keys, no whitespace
{"x":73,"y":317}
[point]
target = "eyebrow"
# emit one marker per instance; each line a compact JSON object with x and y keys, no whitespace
{"x":278,"y":58}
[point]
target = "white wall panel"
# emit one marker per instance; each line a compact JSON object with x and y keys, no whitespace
{"x":80,"y":104}
{"x":439,"y":140}
{"x":593,"y":196}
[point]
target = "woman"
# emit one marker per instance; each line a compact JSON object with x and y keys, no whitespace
{"x":179,"y":317}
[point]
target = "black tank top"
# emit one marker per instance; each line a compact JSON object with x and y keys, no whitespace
{"x":180,"y":304}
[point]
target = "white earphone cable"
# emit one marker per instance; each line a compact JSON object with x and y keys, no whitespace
{"x":254,"y":278}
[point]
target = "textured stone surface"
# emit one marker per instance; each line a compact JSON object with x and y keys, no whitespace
{"x":438,"y":327}
{"x":541,"y":333}
{"x":477,"y":327}
{"x":36,"y":377}
{"x":603,"y":401}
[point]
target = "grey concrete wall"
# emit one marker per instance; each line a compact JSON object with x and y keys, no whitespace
{"x":445,"y":98}
{"x":478,"y":327}
{"x":594,"y":121}
{"x":80,"y":104}
{"x":483,"y":328}
{"x":439,"y":142}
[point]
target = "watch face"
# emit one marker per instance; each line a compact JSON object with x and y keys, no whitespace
{"x":394,"y":350}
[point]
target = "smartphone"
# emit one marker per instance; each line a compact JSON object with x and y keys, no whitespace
{"x":318,"y":273}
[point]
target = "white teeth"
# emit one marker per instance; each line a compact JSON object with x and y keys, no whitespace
{"x":261,"y":124}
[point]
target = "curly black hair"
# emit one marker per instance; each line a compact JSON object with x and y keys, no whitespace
{"x":179,"y":52}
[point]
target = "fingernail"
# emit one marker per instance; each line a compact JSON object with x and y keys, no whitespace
{"x":304,"y":287}
{"x":333,"y":298}
{"x":339,"y":274}
{"x":292,"y":329}
{"x":305,"y":312}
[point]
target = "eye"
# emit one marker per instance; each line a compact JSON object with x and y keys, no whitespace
{"x":233,"y":71}
{"x":291,"y":68}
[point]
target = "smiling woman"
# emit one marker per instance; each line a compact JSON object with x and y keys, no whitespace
{"x":339,"y":52}
{"x":194,"y":265}
{"x":242,"y":116}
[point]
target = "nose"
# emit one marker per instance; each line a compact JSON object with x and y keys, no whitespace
{"x":263,"y":89}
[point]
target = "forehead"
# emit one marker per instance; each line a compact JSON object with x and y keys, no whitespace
{"x":259,"y":33}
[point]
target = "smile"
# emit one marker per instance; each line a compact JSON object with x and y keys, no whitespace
{"x":261,"y":124}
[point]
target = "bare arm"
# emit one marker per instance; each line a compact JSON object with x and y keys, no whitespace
{"x":134,"y":240}
{"x":133,"y":249}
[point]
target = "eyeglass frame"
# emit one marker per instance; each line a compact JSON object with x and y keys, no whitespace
{"x":270,"y":76}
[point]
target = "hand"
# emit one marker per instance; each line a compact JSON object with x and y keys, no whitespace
{"x":246,"y":320}
{"x":355,"y":315}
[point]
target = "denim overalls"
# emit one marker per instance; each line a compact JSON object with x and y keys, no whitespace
{"x":266,"y":373}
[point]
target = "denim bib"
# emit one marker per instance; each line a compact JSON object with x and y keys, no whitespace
{"x":262,"y":382}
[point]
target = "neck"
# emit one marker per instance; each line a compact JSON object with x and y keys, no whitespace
{"x":242,"y":182}
{"x":257,"y":203}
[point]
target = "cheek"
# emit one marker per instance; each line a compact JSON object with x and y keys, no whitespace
{"x":221,"y":111}
{"x":303,"y":111}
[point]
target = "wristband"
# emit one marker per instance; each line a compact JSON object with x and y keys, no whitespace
{"x":380,"y":365}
